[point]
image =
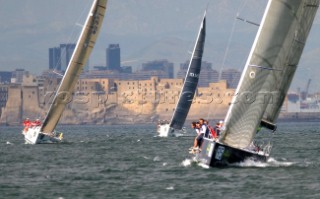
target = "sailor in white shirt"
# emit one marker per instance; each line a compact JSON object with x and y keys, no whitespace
{"x":204,"y":129}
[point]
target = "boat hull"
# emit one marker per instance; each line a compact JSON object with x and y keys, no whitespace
{"x":33,"y":135}
{"x":164,"y":130}
{"x":215,"y":154}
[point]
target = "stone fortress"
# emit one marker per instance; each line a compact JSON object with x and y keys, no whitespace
{"x":111,"y":101}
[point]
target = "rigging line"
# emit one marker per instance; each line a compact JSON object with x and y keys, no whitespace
{"x":230,"y":38}
{"x":55,"y":72}
{"x":71,"y":37}
{"x":247,"y":21}
{"x":216,"y":100}
{"x":208,"y":2}
{"x":192,"y":44}
{"x":227,"y":48}
{"x":75,"y":32}
{"x":263,"y":67}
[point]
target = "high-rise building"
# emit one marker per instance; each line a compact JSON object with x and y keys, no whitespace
{"x":54,"y":58}
{"x":59,"y":57}
{"x":113,"y":57}
{"x":66,"y":51}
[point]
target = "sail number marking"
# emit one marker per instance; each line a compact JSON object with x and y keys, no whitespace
{"x":95,"y":23}
{"x":219,"y":152}
{"x":194,"y":75}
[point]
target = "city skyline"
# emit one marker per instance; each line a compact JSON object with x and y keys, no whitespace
{"x":34,"y":26}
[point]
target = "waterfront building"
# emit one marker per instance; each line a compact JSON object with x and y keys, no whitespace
{"x":232,"y":76}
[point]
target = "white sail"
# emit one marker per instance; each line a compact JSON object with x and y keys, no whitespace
{"x":283,"y":79}
{"x":269,"y":69}
{"x":80,"y":56}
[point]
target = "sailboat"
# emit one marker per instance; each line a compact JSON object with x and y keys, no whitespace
{"x":45,"y":133}
{"x":188,"y":89}
{"x":264,"y":83}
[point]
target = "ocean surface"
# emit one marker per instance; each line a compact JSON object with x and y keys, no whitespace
{"x":128,"y":161}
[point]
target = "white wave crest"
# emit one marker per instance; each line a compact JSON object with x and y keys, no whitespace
{"x":156,"y":159}
{"x":170,"y":188}
{"x":205,"y":166}
{"x":186,"y":163}
{"x":275,"y":163}
{"x":146,"y":157}
{"x":270,"y":163}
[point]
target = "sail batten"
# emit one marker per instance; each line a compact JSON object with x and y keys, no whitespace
{"x":277,"y":48}
{"x":80,"y":56}
{"x":191,"y":81}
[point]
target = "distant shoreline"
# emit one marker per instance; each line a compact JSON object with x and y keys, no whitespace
{"x":281,"y":119}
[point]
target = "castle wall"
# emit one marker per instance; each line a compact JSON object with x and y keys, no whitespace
{"x":11,"y":113}
{"x":30,"y":103}
{"x":103,"y":101}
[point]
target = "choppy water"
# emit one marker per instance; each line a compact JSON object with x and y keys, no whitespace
{"x":129,"y":162}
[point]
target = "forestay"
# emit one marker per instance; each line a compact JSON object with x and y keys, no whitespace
{"x":80,"y":56}
{"x":269,"y":69}
{"x":191,"y":80}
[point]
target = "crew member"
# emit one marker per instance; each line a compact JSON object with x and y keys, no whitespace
{"x":212,"y":133}
{"x":26,"y":124}
{"x":203,"y":128}
{"x":218,"y":127}
{"x":36,"y":123}
{"x":198,"y":139}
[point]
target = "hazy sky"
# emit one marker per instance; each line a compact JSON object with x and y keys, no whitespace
{"x":145,"y":29}
{"x":29,"y":27}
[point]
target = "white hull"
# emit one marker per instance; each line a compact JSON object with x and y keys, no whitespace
{"x":164,"y":130}
{"x":34,"y":136}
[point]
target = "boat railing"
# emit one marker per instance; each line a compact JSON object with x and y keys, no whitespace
{"x":263,"y":147}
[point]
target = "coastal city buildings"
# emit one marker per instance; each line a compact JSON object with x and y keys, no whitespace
{"x":103,"y":100}
{"x":112,"y":100}
{"x":118,"y":94}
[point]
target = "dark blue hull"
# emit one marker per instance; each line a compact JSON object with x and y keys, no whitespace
{"x":215,"y":154}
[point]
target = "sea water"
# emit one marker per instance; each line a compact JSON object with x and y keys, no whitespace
{"x":128,"y":161}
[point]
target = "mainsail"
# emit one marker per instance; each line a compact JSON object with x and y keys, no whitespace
{"x":80,"y":56}
{"x":269,"y":69}
{"x":191,"y":80}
